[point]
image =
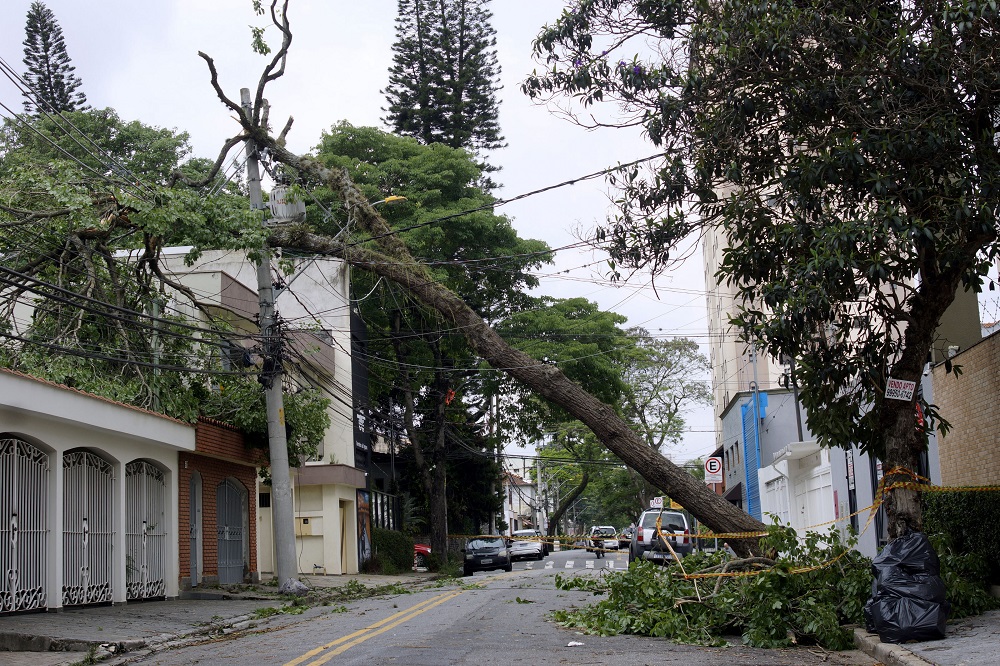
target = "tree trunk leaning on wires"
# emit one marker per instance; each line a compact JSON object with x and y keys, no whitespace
{"x":394,"y":262}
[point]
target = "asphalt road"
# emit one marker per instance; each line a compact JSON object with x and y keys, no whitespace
{"x":491,"y":618}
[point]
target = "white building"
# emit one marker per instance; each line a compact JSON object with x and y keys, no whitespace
{"x":773,"y":466}
{"x":330,"y":501}
{"x":88,"y":498}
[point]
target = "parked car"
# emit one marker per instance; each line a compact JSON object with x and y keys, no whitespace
{"x":486,"y":553}
{"x":527,"y":545}
{"x":421,"y":555}
{"x":625,"y":538}
{"x":602,"y":538}
{"x":647,"y":545}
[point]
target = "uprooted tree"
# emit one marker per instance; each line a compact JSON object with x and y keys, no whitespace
{"x":393,"y":261}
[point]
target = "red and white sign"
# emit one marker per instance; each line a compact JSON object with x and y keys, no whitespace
{"x":899,"y":389}
{"x":713,"y":470}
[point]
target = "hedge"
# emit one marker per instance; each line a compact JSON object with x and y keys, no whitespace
{"x":970,"y":521}
{"x":393,"y":551}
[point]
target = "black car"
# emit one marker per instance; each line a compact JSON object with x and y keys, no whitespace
{"x":485,"y":553}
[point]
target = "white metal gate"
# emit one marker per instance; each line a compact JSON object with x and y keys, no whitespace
{"x":229,"y":508}
{"x":24,"y":482}
{"x":88,"y":528}
{"x":145,"y":531}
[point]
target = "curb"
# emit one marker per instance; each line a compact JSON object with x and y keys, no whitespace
{"x":130,"y":651}
{"x":889,"y":654}
{"x":126,"y":650}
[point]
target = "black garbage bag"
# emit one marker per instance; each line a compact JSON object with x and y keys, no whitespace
{"x":908,"y":601}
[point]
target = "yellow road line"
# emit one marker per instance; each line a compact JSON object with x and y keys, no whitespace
{"x":401,"y":616}
{"x":357,"y":641}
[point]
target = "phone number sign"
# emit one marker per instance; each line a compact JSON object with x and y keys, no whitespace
{"x":899,"y":389}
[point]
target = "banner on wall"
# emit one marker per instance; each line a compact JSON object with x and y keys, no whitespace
{"x":364,"y":529}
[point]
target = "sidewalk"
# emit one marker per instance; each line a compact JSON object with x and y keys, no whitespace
{"x":67,"y":637}
{"x":970,"y":641}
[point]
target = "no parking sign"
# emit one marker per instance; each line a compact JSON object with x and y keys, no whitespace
{"x":713,"y":470}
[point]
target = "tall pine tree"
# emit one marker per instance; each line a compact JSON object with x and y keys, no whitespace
{"x":50,"y":73}
{"x":445,"y":75}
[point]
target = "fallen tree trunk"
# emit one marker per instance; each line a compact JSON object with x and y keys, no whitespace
{"x":397,"y":264}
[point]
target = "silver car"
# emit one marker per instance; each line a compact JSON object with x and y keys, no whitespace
{"x":647,"y":545}
{"x":526,"y":545}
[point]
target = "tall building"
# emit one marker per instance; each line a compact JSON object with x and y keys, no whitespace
{"x":774,"y":468}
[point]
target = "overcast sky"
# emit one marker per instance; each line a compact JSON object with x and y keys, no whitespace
{"x":140,"y":58}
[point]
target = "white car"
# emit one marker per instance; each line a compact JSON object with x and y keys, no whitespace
{"x":602,"y":538}
{"x":526,"y":545}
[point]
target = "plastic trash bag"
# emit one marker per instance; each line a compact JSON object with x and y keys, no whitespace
{"x":908,"y":596}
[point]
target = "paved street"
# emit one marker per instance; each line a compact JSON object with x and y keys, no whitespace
{"x":491,"y":618}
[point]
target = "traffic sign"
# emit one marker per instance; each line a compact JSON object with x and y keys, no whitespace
{"x":713,"y":470}
{"x":656,"y":503}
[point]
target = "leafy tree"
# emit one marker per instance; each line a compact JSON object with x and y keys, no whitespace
{"x":651,"y":381}
{"x":847,"y":154}
{"x":568,"y":481}
{"x":392,"y":260}
{"x":591,"y":348}
{"x":444,"y":78}
{"x":425,"y":380}
{"x":50,"y":74}
{"x":81,"y":192}
{"x":664,"y":379}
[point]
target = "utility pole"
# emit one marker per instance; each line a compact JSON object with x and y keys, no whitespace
{"x":282,"y":509}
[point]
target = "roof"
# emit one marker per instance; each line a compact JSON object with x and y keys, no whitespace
{"x":63,"y":387}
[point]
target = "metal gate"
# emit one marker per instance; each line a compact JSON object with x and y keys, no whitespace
{"x":88,"y":528}
{"x":145,"y":531}
{"x":195,"y":529}
{"x":229,"y":508}
{"x":24,"y":487}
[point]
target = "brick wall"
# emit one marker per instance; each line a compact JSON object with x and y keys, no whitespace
{"x":219,"y":440}
{"x":220,"y":454}
{"x":970,"y":454}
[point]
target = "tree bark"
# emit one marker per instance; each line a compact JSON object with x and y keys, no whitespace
{"x":546,"y":380}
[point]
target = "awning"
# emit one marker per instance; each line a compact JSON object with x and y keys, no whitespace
{"x":795,"y":450}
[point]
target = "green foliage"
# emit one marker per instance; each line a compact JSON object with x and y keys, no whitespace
{"x":392,"y":551}
{"x":966,"y":578}
{"x":73,"y":210}
{"x":969,"y":523}
{"x":50,"y":74}
{"x":240,"y":402}
{"x":772,"y":609}
{"x":271,"y":611}
{"x":424,"y":379}
{"x":851,"y":189}
{"x":651,"y":381}
{"x":664,"y":378}
{"x":965,"y":530}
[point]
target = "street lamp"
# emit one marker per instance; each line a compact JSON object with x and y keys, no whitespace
{"x":389,"y":200}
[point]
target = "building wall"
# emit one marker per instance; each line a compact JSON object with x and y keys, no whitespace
{"x":319,"y":297}
{"x":221,"y":454}
{"x":969,"y":454}
{"x":326,"y":529}
{"x":58,"y":420}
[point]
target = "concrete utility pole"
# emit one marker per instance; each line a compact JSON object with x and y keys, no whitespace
{"x":282,"y":509}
